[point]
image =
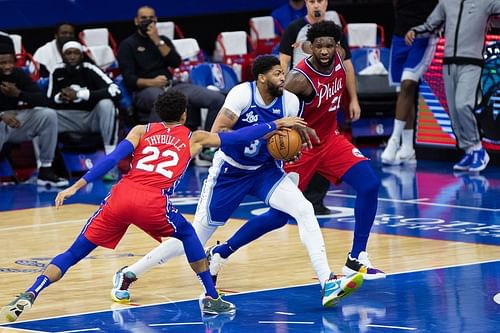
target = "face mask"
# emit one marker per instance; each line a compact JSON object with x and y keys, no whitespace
{"x":143,"y":26}
{"x":317,"y":13}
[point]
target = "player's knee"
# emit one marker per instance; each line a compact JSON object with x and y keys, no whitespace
{"x":371,"y":186}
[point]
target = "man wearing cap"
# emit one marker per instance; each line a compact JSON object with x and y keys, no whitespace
{"x":24,"y":115}
{"x":83,"y":96}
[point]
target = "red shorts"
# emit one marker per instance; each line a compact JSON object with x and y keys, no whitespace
{"x":331,"y":159}
{"x":131,"y":203}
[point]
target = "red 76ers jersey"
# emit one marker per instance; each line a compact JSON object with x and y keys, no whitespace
{"x":161,"y":157}
{"x":321,"y":112}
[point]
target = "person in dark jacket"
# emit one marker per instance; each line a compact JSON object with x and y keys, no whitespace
{"x":83,"y":96}
{"x":24,"y":115}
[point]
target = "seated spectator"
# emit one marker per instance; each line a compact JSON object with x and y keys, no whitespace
{"x":143,"y":59}
{"x":49,"y":55}
{"x":83,"y":96}
{"x":33,"y":119}
{"x":289,"y":12}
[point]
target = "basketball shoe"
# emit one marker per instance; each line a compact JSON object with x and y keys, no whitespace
{"x":362,"y":265}
{"x":121,"y":283}
{"x":14,"y":309}
{"x":216,"y":306}
{"x":336,"y":288}
{"x":405,"y":155}
{"x":389,"y":154}
{"x":215,"y":262}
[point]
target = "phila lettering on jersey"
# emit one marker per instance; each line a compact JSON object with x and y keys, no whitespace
{"x":161,"y":157}
{"x":245,"y":101}
{"x":321,"y":111}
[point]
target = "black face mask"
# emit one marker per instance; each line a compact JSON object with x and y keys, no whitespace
{"x":317,"y":13}
{"x":143,"y":26}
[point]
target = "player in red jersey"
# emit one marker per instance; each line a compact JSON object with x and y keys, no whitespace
{"x":161,"y":153}
{"x":319,"y":82}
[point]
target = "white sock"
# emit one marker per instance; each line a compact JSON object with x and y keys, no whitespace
{"x":399,"y":125}
{"x":167,"y":250}
{"x":45,"y":164}
{"x":408,"y":138}
{"x":108,"y":149}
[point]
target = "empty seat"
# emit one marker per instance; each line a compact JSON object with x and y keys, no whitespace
{"x":365,"y":35}
{"x":169,"y":29}
{"x":263,"y":34}
{"x":101,"y":47}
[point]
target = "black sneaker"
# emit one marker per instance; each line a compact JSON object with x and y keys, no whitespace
{"x":321,"y":210}
{"x":47,"y":176}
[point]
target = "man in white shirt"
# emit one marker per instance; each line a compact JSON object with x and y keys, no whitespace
{"x":49,"y":56}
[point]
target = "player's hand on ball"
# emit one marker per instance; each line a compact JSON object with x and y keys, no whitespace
{"x":295,"y":158}
{"x":288,"y":122}
{"x":308,"y":135}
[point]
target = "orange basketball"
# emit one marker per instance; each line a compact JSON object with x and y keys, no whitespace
{"x":284,"y":147}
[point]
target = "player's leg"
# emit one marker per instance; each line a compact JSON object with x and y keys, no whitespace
{"x":218,"y":199}
{"x":52,"y":273}
{"x":211,"y":303}
{"x":399,"y":53}
{"x":416,"y":63}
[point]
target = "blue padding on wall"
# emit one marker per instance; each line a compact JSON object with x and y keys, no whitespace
{"x":25,"y":14}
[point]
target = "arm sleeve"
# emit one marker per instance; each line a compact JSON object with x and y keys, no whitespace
{"x":105,"y":87}
{"x":246,"y":134}
{"x":122,"y":150}
{"x":172,"y":59}
{"x":30,"y":93}
{"x":127,"y":65}
{"x":238,"y":98}
{"x":433,"y":22}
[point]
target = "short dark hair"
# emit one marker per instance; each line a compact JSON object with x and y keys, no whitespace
{"x":262,"y":64}
{"x":60,"y":24}
{"x":170,"y":105}
{"x":324,"y":29}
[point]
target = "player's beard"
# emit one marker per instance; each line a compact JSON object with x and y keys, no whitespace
{"x":274,"y":90}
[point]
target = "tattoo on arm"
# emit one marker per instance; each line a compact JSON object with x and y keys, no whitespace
{"x":229,"y":114}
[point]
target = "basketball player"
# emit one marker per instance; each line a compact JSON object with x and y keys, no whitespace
{"x":319,"y":81}
{"x":243,"y":169}
{"x":161,"y":153}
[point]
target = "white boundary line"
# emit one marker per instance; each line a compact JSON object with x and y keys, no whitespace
{"x":242,"y":293}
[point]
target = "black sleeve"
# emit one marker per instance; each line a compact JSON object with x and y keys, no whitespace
{"x":102,"y":86}
{"x":172,"y":59}
{"x":127,"y":65}
{"x":30,"y":92}
{"x":345,"y":46}
{"x":288,"y":38}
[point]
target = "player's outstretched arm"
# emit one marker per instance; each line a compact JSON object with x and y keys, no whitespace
{"x":201,"y":139}
{"x":122,"y":150}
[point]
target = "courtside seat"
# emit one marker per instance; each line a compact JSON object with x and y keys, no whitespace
{"x":263,"y":34}
{"x":169,"y":29}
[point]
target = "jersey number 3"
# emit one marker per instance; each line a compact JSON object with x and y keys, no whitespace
{"x":147,"y":163}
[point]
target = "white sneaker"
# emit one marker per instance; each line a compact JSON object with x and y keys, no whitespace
{"x":215,"y":262}
{"x":363,"y":265}
{"x":389,"y":154}
{"x":405,"y":155}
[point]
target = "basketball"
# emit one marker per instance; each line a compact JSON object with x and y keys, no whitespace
{"x":284,"y":147}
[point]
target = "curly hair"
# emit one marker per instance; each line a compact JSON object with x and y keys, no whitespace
{"x":170,"y":105}
{"x":262,"y":64}
{"x":324,"y":29}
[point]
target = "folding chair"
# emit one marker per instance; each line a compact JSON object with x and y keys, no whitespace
{"x":24,"y":59}
{"x":334,"y":16}
{"x":101,"y":48}
{"x":365,"y":35}
{"x":232,"y":48}
{"x":263,"y":34}
{"x":169,"y":29}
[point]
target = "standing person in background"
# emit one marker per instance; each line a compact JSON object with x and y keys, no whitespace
{"x":24,"y":114}
{"x":289,"y":12}
{"x":144,"y":58}
{"x":408,"y":64}
{"x":465,"y":29}
{"x":293,"y":48}
{"x":50,"y":54}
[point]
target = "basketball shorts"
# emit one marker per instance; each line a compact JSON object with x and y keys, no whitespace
{"x":409,"y":62}
{"x":226,"y":186}
{"x":131,"y":203}
{"x":332,"y":159}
